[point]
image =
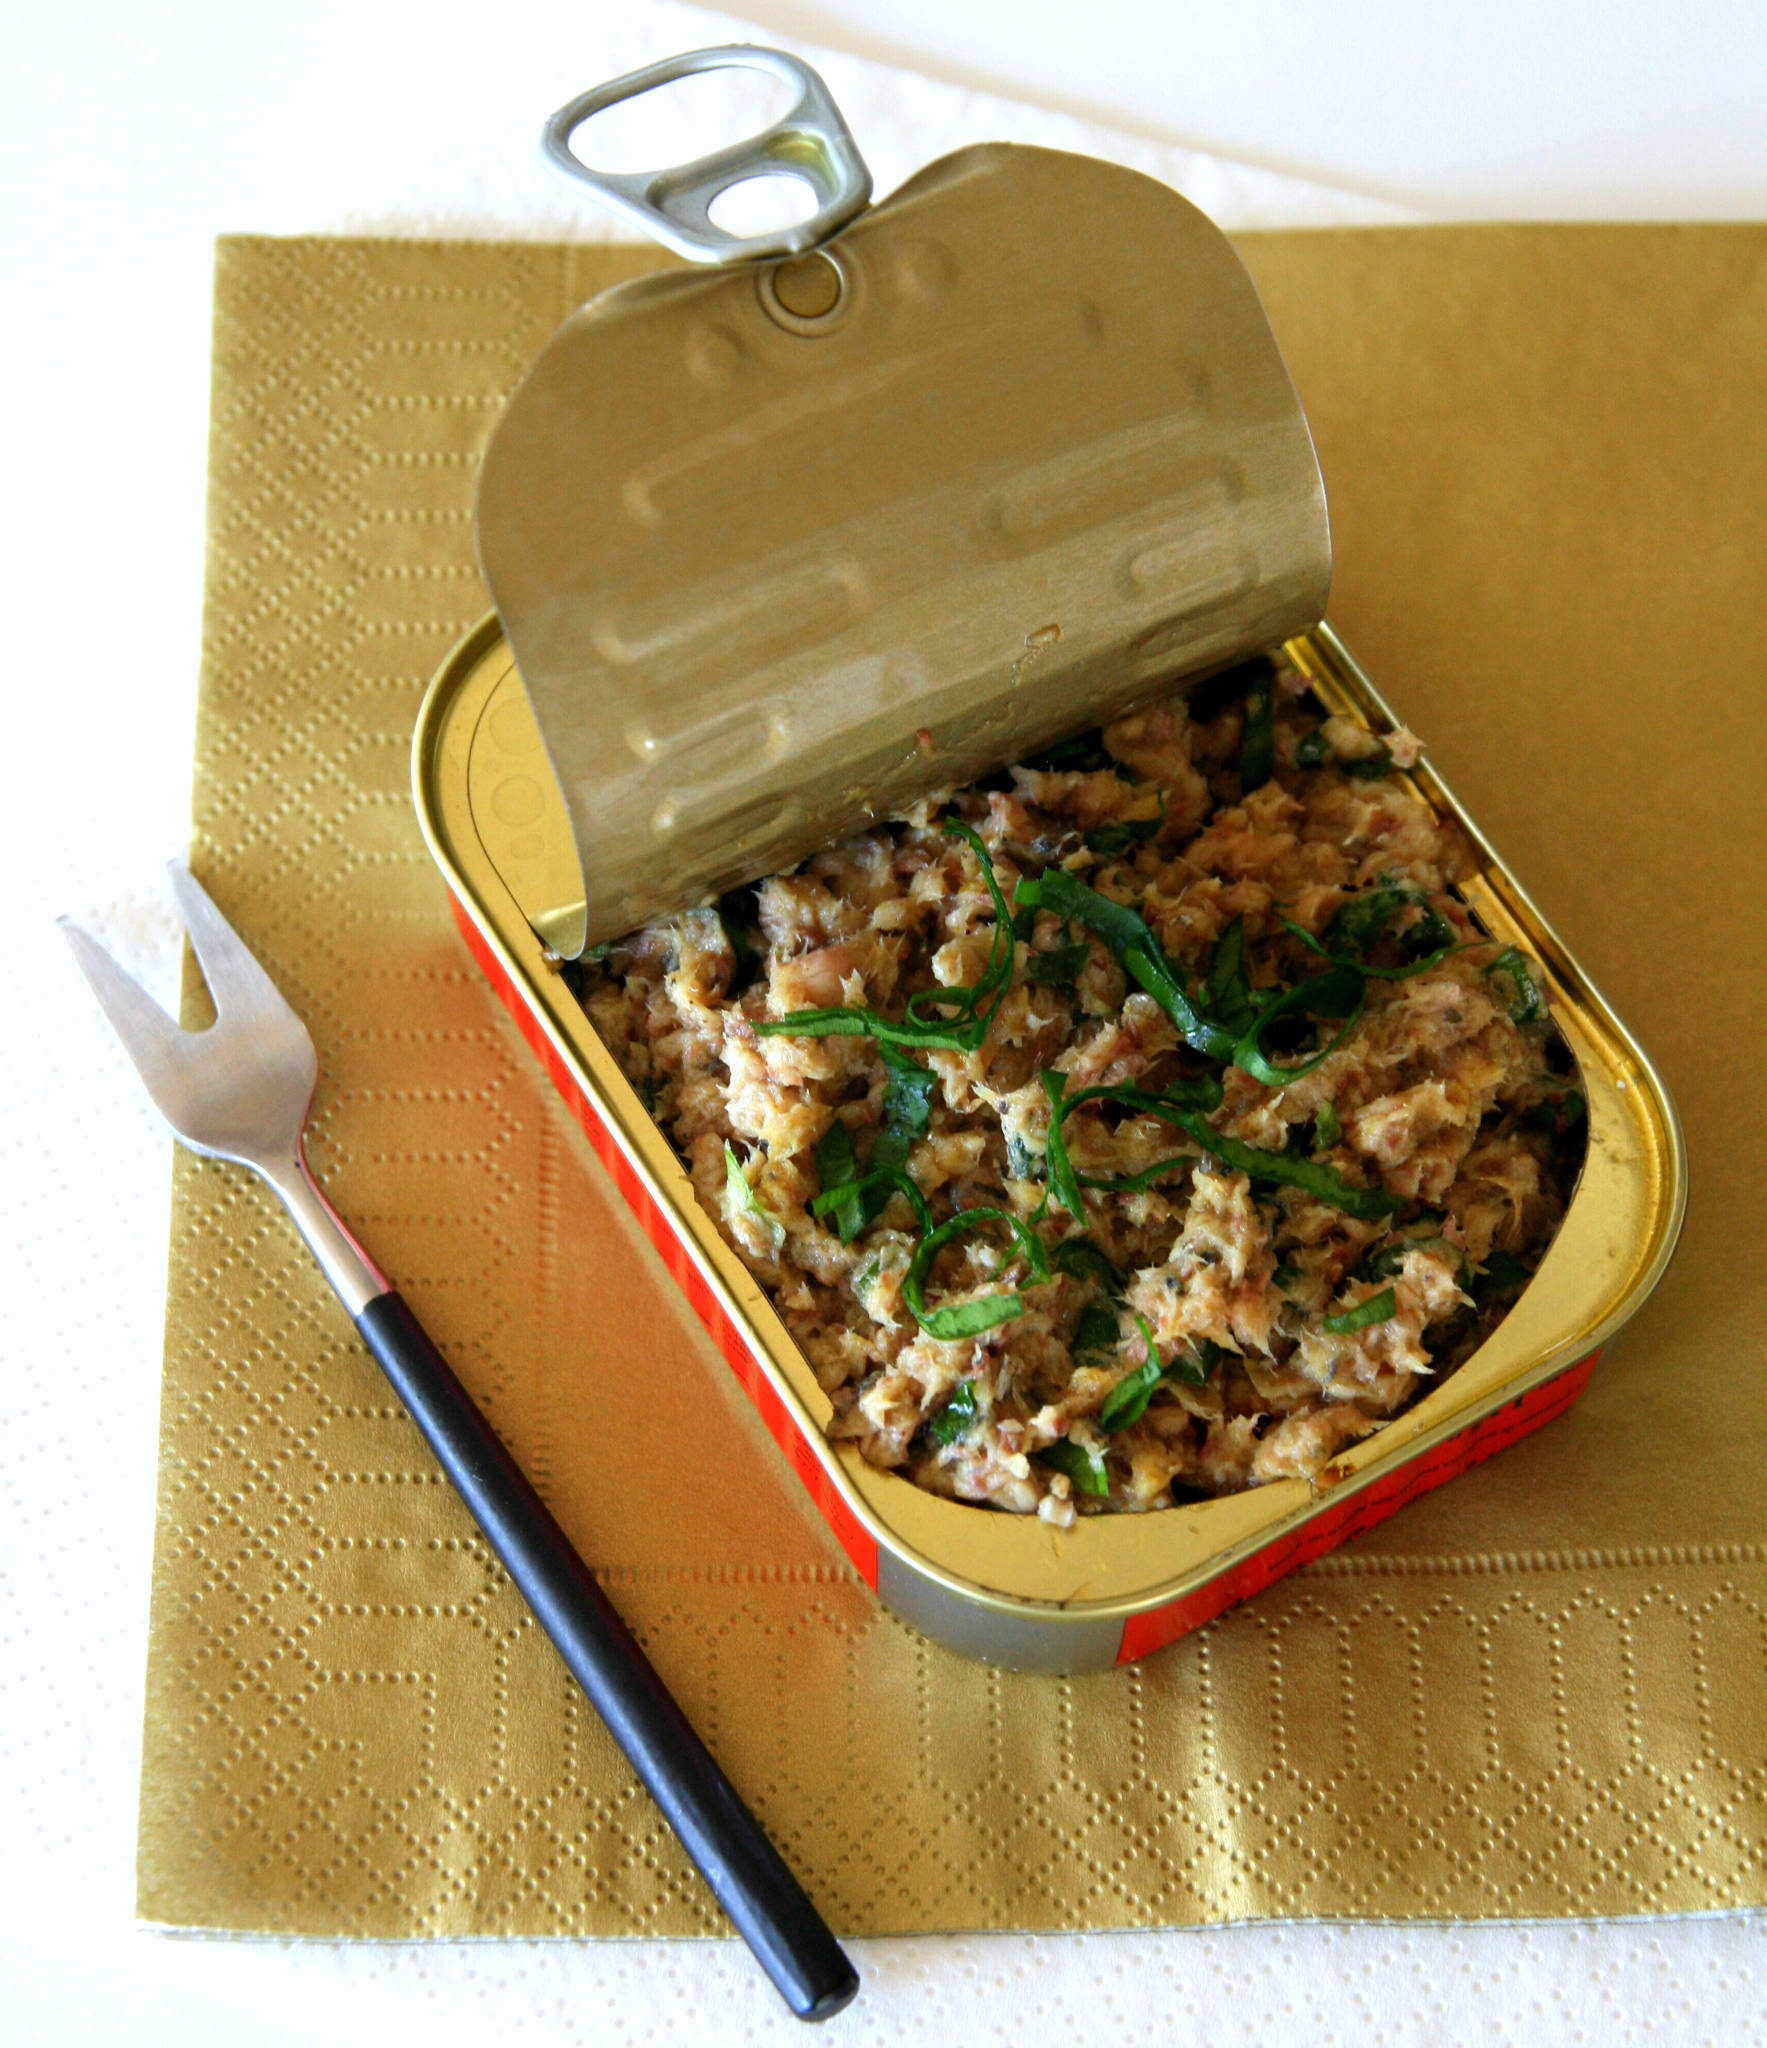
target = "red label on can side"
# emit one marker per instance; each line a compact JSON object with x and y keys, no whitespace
{"x":854,"y":1539}
{"x":1334,"y":1525}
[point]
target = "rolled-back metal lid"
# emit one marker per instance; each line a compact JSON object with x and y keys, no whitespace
{"x":783,"y":548}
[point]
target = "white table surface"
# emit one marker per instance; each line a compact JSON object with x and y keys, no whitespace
{"x":134,"y":136}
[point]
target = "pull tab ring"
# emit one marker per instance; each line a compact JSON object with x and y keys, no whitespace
{"x":811,"y":143}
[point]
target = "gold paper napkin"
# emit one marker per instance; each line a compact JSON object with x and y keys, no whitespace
{"x":1542,"y":1690}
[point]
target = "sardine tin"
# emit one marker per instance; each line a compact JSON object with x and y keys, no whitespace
{"x":997,"y":1586}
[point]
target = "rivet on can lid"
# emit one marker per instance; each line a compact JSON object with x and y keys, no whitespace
{"x":804,"y":289}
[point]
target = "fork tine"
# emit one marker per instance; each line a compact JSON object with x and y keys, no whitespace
{"x":235,"y":979}
{"x":149,"y":1036}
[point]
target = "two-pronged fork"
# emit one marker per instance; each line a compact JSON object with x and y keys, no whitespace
{"x":240,"y":1091}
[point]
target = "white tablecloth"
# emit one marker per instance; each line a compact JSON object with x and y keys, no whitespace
{"x":133,"y":137}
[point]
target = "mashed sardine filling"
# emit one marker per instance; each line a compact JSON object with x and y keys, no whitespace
{"x":1145,"y":1122}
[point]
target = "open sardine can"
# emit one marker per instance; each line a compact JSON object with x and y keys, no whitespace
{"x":785,"y":540}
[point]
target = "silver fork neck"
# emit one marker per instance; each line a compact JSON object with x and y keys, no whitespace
{"x":355,"y":1278}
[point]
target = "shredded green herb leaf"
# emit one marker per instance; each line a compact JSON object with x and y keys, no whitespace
{"x":1122,"y":833}
{"x":837,"y":1168}
{"x":1081,"y":1259}
{"x":1228,"y":988}
{"x":1278,"y":1168}
{"x":736,"y":1182}
{"x":1062,"y":965}
{"x":1378,"y":1308}
{"x":907,"y":1106}
{"x":1140,"y":954}
{"x":1084,"y":1469}
{"x":1061,"y":1175}
{"x":958,"y":1416}
{"x":1095,"y":1334}
{"x":1127,"y":1401}
{"x":1136,"y":1183}
{"x":1341,"y":993}
{"x":1375,"y":767}
{"x":1389,"y":1260}
{"x":1326,"y":1128}
{"x":1361,"y":923}
{"x":1257,"y":747}
{"x":1502,"y":1273}
{"x":968,"y":1318}
{"x":881,"y":1183}
{"x":1195,"y":1363}
{"x":1525,"y":1003}
{"x":1022,"y":1162}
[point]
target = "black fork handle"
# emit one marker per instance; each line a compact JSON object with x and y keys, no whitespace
{"x":747,"y":1875}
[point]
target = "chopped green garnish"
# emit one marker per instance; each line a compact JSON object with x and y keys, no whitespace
{"x":737,"y":1187}
{"x":908,"y":1095}
{"x":1143,"y":959}
{"x":1360,"y":924}
{"x":875,"y":1183}
{"x":1140,"y":954}
{"x":1375,"y":767}
{"x":1326,"y":1128}
{"x":1257,"y":749}
{"x":958,"y":1416}
{"x":1062,"y":1183}
{"x":1275,"y":1168}
{"x":1135,"y":1183}
{"x":1390,"y":1259}
{"x":1378,"y":1308}
{"x":1061,"y":966}
{"x":968,"y":1318}
{"x":1084,"y":1468}
{"x":1525,"y":1003}
{"x":907,"y":1106}
{"x":1341,"y":993}
{"x":1227,"y":987}
{"x":1500,"y":1274}
{"x":1196,"y":1363}
{"x":1122,"y":833}
{"x":1081,"y":1259}
{"x":837,"y":1168}
{"x":1022,"y":1162}
{"x":1127,"y":1401}
{"x":1096,"y":1333}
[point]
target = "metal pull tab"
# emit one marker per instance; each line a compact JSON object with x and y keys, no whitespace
{"x":811,"y":143}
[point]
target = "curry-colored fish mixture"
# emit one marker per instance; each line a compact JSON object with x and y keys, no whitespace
{"x":1145,"y":1122}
